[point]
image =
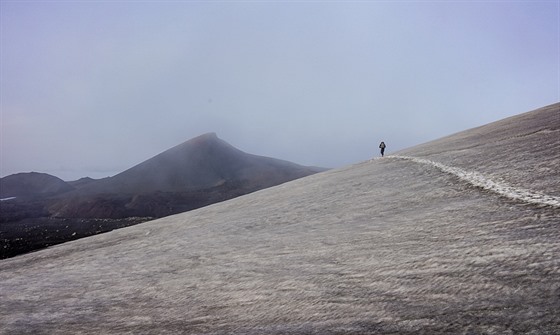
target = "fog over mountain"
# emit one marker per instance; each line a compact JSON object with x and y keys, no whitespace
{"x":200,"y":163}
{"x":455,"y":236}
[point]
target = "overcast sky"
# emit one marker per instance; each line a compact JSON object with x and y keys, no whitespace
{"x":91,"y":88}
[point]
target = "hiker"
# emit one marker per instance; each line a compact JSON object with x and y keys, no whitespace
{"x":382,"y":147}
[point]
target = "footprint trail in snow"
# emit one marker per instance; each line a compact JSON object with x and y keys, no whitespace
{"x":479,"y":180}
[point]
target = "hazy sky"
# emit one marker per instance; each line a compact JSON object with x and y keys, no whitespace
{"x":91,"y":88}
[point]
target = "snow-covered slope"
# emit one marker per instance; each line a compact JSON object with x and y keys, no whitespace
{"x":391,"y":245}
{"x":522,"y":150}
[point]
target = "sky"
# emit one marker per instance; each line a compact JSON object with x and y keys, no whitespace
{"x":92,"y":88}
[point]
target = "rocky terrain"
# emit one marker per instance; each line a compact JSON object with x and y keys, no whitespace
{"x":40,"y":210}
{"x":432,"y":240}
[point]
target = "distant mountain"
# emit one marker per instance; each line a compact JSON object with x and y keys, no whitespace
{"x":196,"y":173}
{"x":201,"y":163}
{"x":32,"y":184}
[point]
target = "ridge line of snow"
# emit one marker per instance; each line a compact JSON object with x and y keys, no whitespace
{"x":479,"y":180}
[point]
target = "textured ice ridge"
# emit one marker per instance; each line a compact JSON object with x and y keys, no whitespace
{"x":479,"y":180}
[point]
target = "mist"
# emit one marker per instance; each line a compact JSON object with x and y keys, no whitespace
{"x":93,"y":88}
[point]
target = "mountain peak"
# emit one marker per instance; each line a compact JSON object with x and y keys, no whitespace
{"x":202,"y":139}
{"x":207,"y":136}
{"x":202,"y":162}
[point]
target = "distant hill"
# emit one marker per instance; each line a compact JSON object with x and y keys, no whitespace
{"x":32,"y":184}
{"x":455,"y":236}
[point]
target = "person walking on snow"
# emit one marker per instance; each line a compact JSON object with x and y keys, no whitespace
{"x":382,"y":147}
